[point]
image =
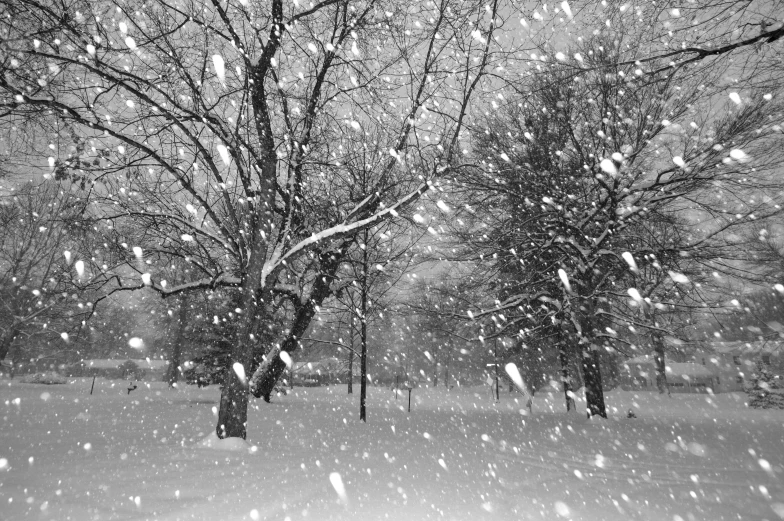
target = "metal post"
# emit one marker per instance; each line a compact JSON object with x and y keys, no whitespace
{"x":93,"y":385}
{"x":409,"y":399}
{"x":397,"y":385}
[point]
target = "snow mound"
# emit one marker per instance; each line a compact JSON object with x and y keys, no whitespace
{"x":48,"y":378}
{"x":212,"y":442}
{"x":82,"y":416}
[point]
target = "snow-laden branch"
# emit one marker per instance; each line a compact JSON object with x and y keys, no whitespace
{"x":510,"y":303}
{"x":343,"y":229}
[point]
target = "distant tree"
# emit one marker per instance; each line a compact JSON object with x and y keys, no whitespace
{"x":756,"y":309}
{"x":749,"y":317}
{"x":443,"y":334}
{"x":46,"y":280}
{"x":371,"y":267}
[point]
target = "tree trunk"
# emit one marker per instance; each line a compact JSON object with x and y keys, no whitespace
{"x":267,"y":374}
{"x":577,"y":370}
{"x":660,"y":363}
{"x":446,"y":369}
{"x":495,"y":356}
{"x":270,"y":371}
{"x":591,"y":370}
{"x":351,"y":359}
{"x":565,"y":378}
{"x":363,"y":324}
{"x":592,"y":376}
{"x":6,"y":340}
{"x":233,"y":413}
{"x":173,"y":371}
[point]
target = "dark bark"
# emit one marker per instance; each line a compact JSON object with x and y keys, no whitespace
{"x":271,"y":376}
{"x":233,"y":415}
{"x":266,"y":376}
{"x":592,"y":375}
{"x":577,"y":371}
{"x":173,"y":371}
{"x":446,"y":370}
{"x":6,"y":340}
{"x":591,"y":370}
{"x":495,"y":355}
{"x":351,"y":360}
{"x":363,"y":324}
{"x":565,"y":377}
{"x":660,"y":363}
{"x":260,"y":226}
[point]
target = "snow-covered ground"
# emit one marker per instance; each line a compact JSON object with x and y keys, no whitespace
{"x":65,"y":454}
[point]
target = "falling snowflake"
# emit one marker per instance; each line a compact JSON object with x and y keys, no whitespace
{"x":608,"y":166}
{"x":239,"y":370}
{"x":220,"y":67}
{"x":286,"y":359}
{"x":680,"y":278}
{"x":79,"y":266}
{"x":224,"y":154}
{"x":337,"y":484}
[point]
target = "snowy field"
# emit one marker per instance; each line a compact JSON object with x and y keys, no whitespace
{"x":65,"y":454}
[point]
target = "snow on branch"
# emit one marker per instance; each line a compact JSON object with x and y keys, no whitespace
{"x":511,"y":303}
{"x":344,"y":229}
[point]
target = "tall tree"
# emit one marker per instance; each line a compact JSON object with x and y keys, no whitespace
{"x":571,"y":170}
{"x":216,"y":129}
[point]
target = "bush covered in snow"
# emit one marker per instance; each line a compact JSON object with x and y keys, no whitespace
{"x":129,"y":370}
{"x":767,"y":391}
{"x":48,"y":378}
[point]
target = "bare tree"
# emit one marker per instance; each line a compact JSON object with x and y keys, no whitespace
{"x":46,"y":280}
{"x":212,"y":128}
